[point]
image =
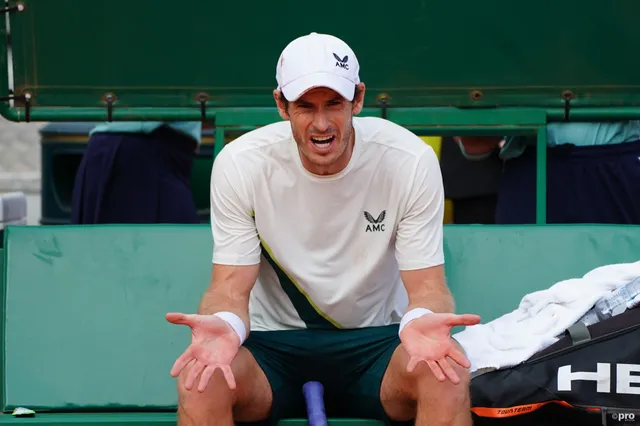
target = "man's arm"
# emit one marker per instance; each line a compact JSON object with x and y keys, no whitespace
{"x":427,"y":288}
{"x":229,"y":291}
{"x":419,"y":245}
{"x":477,"y":147}
{"x":236,"y":245}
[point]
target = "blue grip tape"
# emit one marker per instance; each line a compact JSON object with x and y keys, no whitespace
{"x":314,"y":397}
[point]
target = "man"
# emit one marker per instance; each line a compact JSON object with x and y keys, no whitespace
{"x":592,"y":173}
{"x":137,"y":172}
{"x":326,"y":229}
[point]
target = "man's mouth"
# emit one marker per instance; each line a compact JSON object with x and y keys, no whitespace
{"x":322,"y":142}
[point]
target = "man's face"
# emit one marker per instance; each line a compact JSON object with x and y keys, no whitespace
{"x":321,"y":126}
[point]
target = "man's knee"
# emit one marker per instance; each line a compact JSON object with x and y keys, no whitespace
{"x":444,"y":393}
{"x":250,"y":400}
{"x":217,"y":393}
{"x":444,"y":402}
{"x":403,"y":393}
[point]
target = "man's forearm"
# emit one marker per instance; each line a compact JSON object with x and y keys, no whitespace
{"x":435,"y":296}
{"x":215,"y":300}
{"x":427,"y":288}
{"x":229,"y":291}
{"x":475,"y":146}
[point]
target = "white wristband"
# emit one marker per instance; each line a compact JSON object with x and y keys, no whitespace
{"x":235,"y":322}
{"x":411,"y":315}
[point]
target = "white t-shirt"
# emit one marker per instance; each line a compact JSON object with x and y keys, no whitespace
{"x":330,"y":247}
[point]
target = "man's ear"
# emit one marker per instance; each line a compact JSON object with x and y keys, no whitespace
{"x":282,"y":108}
{"x":358,"y":101}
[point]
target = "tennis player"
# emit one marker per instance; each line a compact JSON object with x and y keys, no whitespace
{"x":327,"y":265}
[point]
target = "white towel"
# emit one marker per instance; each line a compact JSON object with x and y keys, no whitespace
{"x":540,"y":318}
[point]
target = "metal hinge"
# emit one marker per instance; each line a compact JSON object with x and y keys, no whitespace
{"x":26,"y":99}
{"x":18,"y":7}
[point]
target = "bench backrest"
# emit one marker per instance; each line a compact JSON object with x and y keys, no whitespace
{"x":86,"y":305}
{"x":2,"y":267}
{"x":490,"y":268}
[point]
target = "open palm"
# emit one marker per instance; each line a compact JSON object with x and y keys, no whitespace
{"x":214,"y":344}
{"x":428,"y":339}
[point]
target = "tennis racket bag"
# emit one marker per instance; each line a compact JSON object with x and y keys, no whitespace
{"x":591,"y":376}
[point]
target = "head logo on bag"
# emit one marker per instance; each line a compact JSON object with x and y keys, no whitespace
{"x":626,"y":381}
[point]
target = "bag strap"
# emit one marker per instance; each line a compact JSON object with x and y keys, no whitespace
{"x":579,"y":333}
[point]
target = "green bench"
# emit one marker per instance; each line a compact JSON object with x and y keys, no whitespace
{"x":84,"y":335}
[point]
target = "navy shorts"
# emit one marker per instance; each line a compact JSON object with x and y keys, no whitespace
{"x":135,"y":178}
{"x":593,"y":184}
{"x":349,"y":363}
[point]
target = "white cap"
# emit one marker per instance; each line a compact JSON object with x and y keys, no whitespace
{"x":317,"y":60}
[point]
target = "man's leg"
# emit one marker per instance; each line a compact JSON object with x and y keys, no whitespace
{"x":218,"y":405}
{"x":365,"y":376}
{"x":420,"y":396}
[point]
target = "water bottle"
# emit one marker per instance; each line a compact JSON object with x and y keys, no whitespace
{"x":615,"y":303}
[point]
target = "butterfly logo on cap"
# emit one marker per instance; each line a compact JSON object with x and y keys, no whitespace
{"x":342,"y":63}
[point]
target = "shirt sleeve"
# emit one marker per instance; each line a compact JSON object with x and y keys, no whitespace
{"x":420,"y":229}
{"x":235,"y":237}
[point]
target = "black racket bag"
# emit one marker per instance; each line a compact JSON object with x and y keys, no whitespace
{"x":591,"y":376}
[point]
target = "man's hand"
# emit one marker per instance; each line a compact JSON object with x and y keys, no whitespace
{"x":428,"y":339}
{"x":214,"y":344}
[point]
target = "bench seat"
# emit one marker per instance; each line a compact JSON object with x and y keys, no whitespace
{"x":141,"y":419}
{"x":83,"y":321}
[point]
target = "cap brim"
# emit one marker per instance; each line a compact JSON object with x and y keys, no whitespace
{"x":345,"y":87}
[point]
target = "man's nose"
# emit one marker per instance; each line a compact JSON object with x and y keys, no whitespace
{"x":320,"y":122}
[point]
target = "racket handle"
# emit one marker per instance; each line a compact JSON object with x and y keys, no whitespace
{"x":314,"y":397}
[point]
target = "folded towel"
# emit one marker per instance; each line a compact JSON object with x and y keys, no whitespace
{"x":540,"y":318}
